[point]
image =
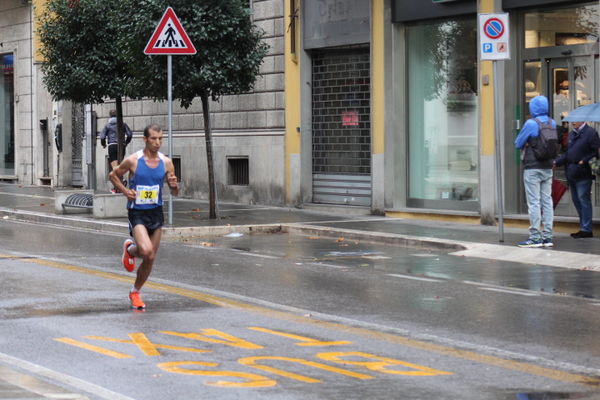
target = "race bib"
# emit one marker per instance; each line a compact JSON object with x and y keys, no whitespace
{"x":146,"y":194}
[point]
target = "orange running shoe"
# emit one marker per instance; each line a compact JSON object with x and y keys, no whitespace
{"x":136,"y":301}
{"x":128,"y":260}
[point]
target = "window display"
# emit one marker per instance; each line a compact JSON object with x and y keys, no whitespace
{"x":442,"y":110}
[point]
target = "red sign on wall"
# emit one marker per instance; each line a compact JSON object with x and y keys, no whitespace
{"x":349,"y":118}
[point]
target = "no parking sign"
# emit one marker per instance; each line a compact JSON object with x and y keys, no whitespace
{"x":494,"y":37}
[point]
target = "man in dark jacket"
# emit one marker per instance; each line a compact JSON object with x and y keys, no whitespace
{"x":109,"y":134}
{"x":537,"y":176}
{"x":582,"y":147}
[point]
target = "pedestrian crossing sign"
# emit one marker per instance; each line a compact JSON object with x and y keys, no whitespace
{"x":169,"y":37}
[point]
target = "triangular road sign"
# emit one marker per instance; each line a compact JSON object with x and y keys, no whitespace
{"x":169,"y":37}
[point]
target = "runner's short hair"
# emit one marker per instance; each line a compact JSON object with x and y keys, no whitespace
{"x":152,"y":127}
{"x":112,"y":113}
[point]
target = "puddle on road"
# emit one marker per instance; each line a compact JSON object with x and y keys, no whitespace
{"x":390,"y":259}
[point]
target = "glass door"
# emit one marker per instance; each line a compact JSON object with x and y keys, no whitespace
{"x":571,"y":83}
{"x":559,"y":58}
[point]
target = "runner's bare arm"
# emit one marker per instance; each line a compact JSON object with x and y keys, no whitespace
{"x":116,"y":175}
{"x":171,"y":177}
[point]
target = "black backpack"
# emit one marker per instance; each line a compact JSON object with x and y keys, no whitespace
{"x":546,"y":145}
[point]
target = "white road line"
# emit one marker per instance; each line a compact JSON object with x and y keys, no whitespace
{"x":330,"y":265}
{"x":256,"y":254}
{"x":415,"y":278}
{"x":521,"y":293}
{"x":56,"y":376}
{"x":475,"y":283}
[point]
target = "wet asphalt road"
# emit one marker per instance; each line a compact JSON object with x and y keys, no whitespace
{"x":289,"y":317}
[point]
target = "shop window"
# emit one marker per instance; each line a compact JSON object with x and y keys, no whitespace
{"x":442,"y":114}
{"x":562,"y":27}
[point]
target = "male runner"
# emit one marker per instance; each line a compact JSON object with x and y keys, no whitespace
{"x":147,"y":170}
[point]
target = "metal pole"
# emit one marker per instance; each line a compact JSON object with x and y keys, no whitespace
{"x":497,"y":135}
{"x":170,"y":123}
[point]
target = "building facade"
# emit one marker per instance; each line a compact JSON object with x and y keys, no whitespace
{"x":401,"y":91}
{"x":55,"y":143}
{"x":17,"y":93}
{"x":373,"y":105}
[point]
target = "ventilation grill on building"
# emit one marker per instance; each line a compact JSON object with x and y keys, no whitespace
{"x":177,"y":166}
{"x":238,"y":171}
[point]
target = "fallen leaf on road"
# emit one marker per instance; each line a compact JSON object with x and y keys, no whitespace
{"x":207,"y":244}
{"x":42,"y":204}
{"x":340,"y":239}
{"x":196,"y":209}
{"x":313,"y":237}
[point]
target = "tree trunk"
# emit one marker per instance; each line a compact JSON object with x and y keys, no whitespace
{"x":212,"y":198}
{"x":120,"y":130}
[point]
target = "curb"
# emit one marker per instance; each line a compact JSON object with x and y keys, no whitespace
{"x":297,"y":228}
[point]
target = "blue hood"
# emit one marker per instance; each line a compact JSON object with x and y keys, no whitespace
{"x":538,"y":106}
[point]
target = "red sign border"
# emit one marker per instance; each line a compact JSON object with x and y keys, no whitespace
{"x":151,"y":50}
{"x":489,"y":21}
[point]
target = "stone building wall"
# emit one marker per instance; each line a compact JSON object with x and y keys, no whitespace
{"x":246,"y":126}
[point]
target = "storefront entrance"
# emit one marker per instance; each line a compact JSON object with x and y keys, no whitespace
{"x":341,"y":127}
{"x":561,"y":63}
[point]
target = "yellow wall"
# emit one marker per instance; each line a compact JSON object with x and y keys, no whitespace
{"x":292,"y":100}
{"x":486,"y":105}
{"x":39,"y":7}
{"x":377,"y":77}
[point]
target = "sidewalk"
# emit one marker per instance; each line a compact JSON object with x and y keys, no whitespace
{"x":190,"y":218}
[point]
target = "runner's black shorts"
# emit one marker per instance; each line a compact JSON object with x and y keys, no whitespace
{"x":152,"y":219}
{"x":113,"y":152}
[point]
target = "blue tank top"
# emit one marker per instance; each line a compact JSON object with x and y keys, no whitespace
{"x":148,"y":183}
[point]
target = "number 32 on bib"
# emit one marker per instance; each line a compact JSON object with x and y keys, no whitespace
{"x":146,"y":194}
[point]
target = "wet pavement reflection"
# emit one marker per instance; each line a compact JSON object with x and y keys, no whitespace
{"x":388,"y":259}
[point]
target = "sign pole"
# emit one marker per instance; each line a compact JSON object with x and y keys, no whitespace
{"x":499,"y":191}
{"x":494,"y":45}
{"x":170,"y":124}
{"x":169,"y":38}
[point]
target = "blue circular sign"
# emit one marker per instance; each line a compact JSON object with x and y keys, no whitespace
{"x":493,"y":28}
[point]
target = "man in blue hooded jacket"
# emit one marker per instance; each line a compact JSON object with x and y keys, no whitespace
{"x":537,"y":176}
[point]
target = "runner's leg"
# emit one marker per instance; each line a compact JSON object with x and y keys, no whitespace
{"x":145,"y":247}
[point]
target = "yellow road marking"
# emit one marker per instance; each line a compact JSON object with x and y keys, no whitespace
{"x":96,"y":349}
{"x":364,"y":332}
{"x":304,"y":341}
{"x":252,"y":362}
{"x":226,"y":339}
{"x":146,"y":346}
{"x":251,"y":380}
{"x":381,"y":363}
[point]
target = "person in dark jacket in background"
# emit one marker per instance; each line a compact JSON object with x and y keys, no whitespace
{"x":109,"y":134}
{"x":582,"y":146}
{"x":537,"y":176}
